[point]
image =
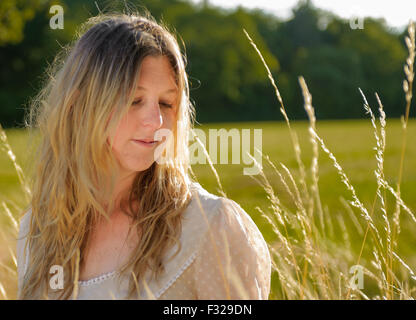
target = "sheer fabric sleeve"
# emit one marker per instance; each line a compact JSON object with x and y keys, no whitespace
{"x":20,"y":254}
{"x":233,"y":261}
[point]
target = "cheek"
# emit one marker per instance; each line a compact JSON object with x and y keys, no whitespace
{"x":120,"y":134}
{"x":169,"y":119}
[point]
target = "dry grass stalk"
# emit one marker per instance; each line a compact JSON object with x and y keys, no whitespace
{"x":388,"y":282}
{"x":8,"y":150}
{"x":408,"y":89}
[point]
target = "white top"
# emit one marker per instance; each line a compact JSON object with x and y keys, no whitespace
{"x":221,"y":247}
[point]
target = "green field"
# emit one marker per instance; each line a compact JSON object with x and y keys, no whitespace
{"x":351,"y":142}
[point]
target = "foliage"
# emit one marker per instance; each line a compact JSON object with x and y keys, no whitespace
{"x":227,"y":82}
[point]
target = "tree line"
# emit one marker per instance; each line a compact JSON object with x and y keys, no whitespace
{"x":228,"y":81}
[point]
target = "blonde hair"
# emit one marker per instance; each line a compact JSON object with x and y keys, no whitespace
{"x":75,"y":168}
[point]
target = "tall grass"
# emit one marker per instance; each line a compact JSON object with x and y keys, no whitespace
{"x":309,"y":259}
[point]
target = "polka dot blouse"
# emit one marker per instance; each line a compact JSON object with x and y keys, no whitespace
{"x":223,"y":256}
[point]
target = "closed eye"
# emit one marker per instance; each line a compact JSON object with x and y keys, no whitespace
{"x":167,"y":105}
{"x":136,"y":102}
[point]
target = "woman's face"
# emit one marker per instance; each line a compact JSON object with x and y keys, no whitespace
{"x":154,"y":107}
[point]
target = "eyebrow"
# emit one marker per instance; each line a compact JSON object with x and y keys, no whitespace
{"x":167,"y":91}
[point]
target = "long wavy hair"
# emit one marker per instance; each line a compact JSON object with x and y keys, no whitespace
{"x":89,"y":80}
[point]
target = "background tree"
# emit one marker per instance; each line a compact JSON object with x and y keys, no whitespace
{"x":228,"y":81}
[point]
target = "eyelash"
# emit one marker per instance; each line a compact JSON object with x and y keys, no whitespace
{"x":162,"y":103}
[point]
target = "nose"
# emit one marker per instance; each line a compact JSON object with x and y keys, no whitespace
{"x":152,"y":117}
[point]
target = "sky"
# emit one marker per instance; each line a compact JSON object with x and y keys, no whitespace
{"x":396,"y":12}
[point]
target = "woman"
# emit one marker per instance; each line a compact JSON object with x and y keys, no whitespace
{"x":114,"y":214}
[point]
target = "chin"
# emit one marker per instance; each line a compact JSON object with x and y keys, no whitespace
{"x":141,"y":167}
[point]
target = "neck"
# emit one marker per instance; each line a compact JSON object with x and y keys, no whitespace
{"x":122,"y":189}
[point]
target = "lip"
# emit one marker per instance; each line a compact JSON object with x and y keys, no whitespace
{"x":144,"y":143}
